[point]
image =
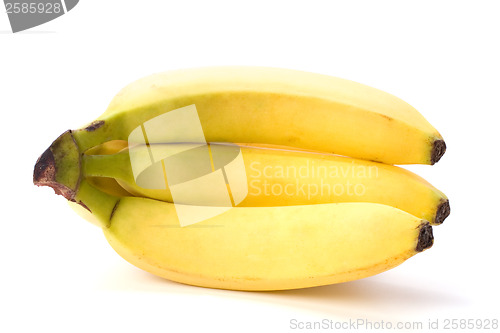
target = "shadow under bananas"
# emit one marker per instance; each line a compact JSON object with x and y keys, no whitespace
{"x":373,"y":298}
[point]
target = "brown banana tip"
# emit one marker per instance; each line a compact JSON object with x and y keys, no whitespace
{"x":44,"y":174}
{"x":442,"y":212}
{"x":425,"y":237}
{"x":438,"y":150}
{"x":45,"y":168}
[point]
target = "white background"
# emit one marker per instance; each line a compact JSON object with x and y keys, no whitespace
{"x":60,"y":275}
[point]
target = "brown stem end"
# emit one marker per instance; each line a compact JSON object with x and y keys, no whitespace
{"x":442,"y":212}
{"x":425,"y":237}
{"x":44,"y":174}
{"x":59,"y":167}
{"x":438,"y":150}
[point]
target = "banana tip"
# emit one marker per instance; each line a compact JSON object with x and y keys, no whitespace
{"x":438,"y":150}
{"x":425,"y":237}
{"x":442,"y":212}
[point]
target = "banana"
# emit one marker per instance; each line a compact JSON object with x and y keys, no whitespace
{"x":207,"y":220}
{"x":278,"y":177}
{"x":279,"y":107}
{"x":259,"y":248}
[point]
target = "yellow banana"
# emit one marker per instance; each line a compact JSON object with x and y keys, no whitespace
{"x":276,"y":106}
{"x":259,"y":248}
{"x":278,"y":177}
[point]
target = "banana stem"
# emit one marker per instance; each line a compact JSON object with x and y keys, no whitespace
{"x":100,"y":204}
{"x":114,"y":126}
{"x":99,"y":132}
{"x":113,"y":166}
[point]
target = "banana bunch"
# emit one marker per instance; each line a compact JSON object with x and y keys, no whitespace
{"x":251,"y":178}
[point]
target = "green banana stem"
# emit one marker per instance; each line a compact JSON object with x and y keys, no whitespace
{"x":118,"y":126}
{"x":97,"y":132}
{"x":114,"y":166}
{"x":100,"y":204}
